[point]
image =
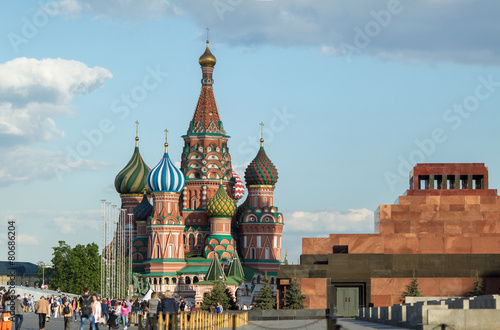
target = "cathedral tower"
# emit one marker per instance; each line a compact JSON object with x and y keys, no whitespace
{"x":220,"y":209}
{"x":165,"y":227}
{"x":205,"y":159}
{"x":260,"y":223}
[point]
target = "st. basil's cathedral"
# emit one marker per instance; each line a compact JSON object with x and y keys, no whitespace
{"x":188,"y":230}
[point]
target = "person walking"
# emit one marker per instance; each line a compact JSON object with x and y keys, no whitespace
{"x":25,"y":303}
{"x":19,"y":308}
{"x":168,"y":305}
{"x":96,"y":311}
{"x":42,"y":308}
{"x":66,"y":312}
{"x":105,"y":310}
{"x":31,"y":303}
{"x":74,"y":306}
{"x":153,"y":305}
{"x":86,"y":308}
{"x":124,"y":312}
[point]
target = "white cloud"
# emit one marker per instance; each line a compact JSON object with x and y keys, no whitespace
{"x":75,"y":222}
{"x":68,"y":8}
{"x":27,"y":80}
{"x":24,"y":164}
{"x":24,"y":239}
{"x":123,"y":9}
{"x":32,"y":93}
{"x":405,"y":30}
{"x":330,"y":221}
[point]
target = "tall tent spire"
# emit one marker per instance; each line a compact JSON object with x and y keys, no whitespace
{"x":236,"y":269}
{"x":215,"y":271}
{"x":206,"y":115}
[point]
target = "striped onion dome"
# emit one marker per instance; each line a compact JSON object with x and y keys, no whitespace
{"x":261,"y":170}
{"x":144,"y":210}
{"x":165,"y":176}
{"x":239,"y":188}
{"x":221,"y":205}
{"x":132,"y":179}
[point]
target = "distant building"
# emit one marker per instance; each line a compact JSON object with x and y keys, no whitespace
{"x":25,"y":273}
{"x":186,"y":219}
{"x":444,"y":230}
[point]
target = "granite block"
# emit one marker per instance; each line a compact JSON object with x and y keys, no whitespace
{"x":401,"y":227}
{"x":488,"y":199}
{"x":452,"y":199}
{"x":457,"y":245}
{"x":431,"y":245}
{"x":456,"y":207}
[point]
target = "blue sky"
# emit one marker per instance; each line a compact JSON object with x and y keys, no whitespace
{"x":352,"y":94}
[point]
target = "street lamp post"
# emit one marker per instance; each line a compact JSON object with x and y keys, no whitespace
{"x":43,"y":265}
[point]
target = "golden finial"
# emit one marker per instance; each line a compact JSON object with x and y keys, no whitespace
{"x":166,"y":144}
{"x":261,"y":134}
{"x":136,"y":133}
{"x":207,"y":59}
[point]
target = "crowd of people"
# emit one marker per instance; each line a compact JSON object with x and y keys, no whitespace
{"x":99,"y":312}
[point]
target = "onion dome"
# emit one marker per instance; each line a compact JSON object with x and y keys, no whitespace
{"x":144,"y":210}
{"x":238,"y":188}
{"x":165,"y":176}
{"x":221,"y":205}
{"x":207,"y":59}
{"x":261,"y":170}
{"x":132,"y":179}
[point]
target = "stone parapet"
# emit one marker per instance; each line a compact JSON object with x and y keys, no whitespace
{"x":482,"y":312}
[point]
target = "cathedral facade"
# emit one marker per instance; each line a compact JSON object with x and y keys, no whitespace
{"x":186,"y":221}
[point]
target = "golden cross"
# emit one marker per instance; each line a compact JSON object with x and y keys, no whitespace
{"x":136,"y":128}
{"x":261,"y":130}
{"x":207,"y":33}
{"x":166,"y":131}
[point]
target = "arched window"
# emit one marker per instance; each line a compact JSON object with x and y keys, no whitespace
{"x":195,"y":280}
{"x":166,"y":281}
{"x":187,"y":280}
{"x":157,"y":251}
{"x":199,"y":240}
{"x":252,"y":253}
{"x":266,"y":253}
{"x":174,"y":280}
{"x":191,"y":242}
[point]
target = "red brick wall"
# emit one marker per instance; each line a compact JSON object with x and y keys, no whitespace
{"x":315,"y":291}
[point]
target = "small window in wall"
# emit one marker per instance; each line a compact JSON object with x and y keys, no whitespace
{"x":337,"y":249}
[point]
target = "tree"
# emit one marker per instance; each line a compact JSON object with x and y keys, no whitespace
{"x":294,"y":299}
{"x":218,"y":294}
{"x":412,"y":290}
{"x":267,"y":298}
{"x":477,"y":287}
{"x":75,"y":268}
